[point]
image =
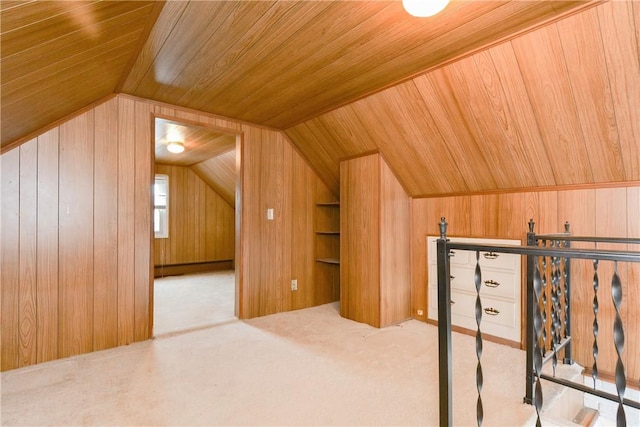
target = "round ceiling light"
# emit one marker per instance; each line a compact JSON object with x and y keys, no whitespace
{"x":424,"y":8}
{"x":175,"y":147}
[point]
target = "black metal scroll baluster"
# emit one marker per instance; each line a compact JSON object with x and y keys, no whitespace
{"x":568,"y":354}
{"x":544,"y":304}
{"x":479,"y":379}
{"x":555,"y":312}
{"x":596,"y":285}
{"x":538,"y":327}
{"x":618,"y":339}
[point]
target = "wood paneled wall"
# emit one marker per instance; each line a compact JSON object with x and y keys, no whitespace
{"x":201,"y":222}
{"x":76,"y":224}
{"x":77,"y":232}
{"x":274,"y":176}
{"x":374,"y":245}
{"x":591,"y":212}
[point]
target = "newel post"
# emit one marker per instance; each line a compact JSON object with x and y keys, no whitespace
{"x":444,"y":328}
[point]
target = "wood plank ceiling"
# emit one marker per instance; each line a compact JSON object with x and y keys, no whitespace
{"x":487,"y":95}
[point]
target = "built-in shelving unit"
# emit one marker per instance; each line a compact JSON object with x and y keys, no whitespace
{"x":327,"y":245}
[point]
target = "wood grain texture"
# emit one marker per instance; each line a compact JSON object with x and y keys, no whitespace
{"x":105,"y":226}
{"x":200,"y":143}
{"x":604,"y":211}
{"x":554,"y":106}
{"x":60,"y":57}
{"x":143,"y":181}
{"x":587,"y":68}
{"x":220,"y":174}
{"x":76,"y":235}
{"x":126,"y":226}
{"x":620,"y":26}
{"x":28,"y":246}
{"x":360,"y":239}
{"x":201,"y":223}
{"x":47,"y":247}
{"x":10,"y":273}
{"x":632,"y":326}
{"x":395,"y":276}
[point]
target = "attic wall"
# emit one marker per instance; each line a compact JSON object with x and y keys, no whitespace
{"x":201,"y":222}
{"x":559,"y":105}
{"x":76,"y":217}
{"x":591,"y":212}
{"x":76,"y":222}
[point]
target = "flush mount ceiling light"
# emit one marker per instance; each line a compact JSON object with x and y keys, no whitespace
{"x":175,"y":147}
{"x":424,"y":8}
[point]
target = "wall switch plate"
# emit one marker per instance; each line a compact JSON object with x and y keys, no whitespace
{"x":294,"y":284}
{"x":270,"y":214}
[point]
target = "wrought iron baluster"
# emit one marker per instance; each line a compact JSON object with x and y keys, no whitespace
{"x":479,"y":379}
{"x":618,"y":339}
{"x":544,"y":304}
{"x":596,"y":285}
{"x":538,"y":326}
{"x":555,"y":312}
{"x":568,"y":354}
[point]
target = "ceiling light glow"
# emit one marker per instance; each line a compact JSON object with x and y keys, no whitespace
{"x":175,"y":147}
{"x":424,"y":8}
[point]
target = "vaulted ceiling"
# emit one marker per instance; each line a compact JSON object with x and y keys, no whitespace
{"x":487,"y":95}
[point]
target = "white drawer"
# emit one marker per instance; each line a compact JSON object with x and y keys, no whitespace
{"x":493,"y":311}
{"x":496,"y":260}
{"x":456,"y":257}
{"x":502,"y":322}
{"x":495,"y":283}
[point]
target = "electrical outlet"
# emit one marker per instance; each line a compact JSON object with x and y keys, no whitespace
{"x":420,"y":312}
{"x":270,"y":214}
{"x":294,"y":284}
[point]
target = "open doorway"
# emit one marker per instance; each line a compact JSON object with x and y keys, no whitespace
{"x":194,"y":226}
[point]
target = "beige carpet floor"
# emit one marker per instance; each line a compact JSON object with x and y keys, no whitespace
{"x":306,"y":367}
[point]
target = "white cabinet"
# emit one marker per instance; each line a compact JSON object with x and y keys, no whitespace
{"x":500,"y":289}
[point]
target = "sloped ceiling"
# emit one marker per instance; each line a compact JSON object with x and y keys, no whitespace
{"x":548,"y":103}
{"x":60,"y":56}
{"x":557,"y":106}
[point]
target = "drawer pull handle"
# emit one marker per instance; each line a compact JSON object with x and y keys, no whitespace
{"x":491,"y":311}
{"x":452,"y":302}
{"x":490,"y":255}
{"x":492,"y":283}
{"x":452,"y":277}
{"x":452,"y":253}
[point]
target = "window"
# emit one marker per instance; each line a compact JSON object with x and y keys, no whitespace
{"x":161,"y":207}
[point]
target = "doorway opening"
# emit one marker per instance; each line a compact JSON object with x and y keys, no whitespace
{"x":193,"y":250}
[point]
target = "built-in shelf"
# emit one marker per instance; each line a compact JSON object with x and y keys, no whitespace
{"x":327,"y":243}
{"x":329,"y":260}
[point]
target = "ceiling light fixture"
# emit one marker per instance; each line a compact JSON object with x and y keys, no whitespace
{"x":424,"y":8}
{"x":175,"y":147}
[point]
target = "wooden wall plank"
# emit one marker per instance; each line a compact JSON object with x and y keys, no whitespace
{"x":621,"y":47}
{"x":395,"y":275}
{"x":10,"y":245}
{"x":587,"y":68}
{"x":611,"y":220}
{"x":143,"y":232}
{"x":76,"y":235}
{"x":201,"y":223}
{"x":47,"y":274}
{"x":28,"y":247}
{"x":599,"y":212}
{"x":543,"y":69}
{"x":126,"y":215}
{"x":632,"y":297}
{"x":105,"y":225}
{"x":360,"y":239}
